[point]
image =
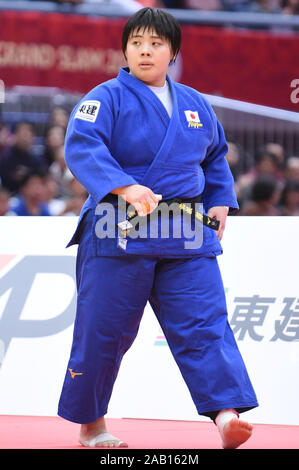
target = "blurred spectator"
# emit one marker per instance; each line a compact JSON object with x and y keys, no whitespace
{"x":6,"y":139}
{"x":233,"y":159}
{"x":54,"y":139}
{"x":264,"y":196}
{"x":289,"y":202}
{"x":4,"y":201}
{"x":292,"y":169}
{"x":267,"y":163}
{"x":78,"y":196}
{"x":19,"y":159}
{"x":278,"y":151}
{"x":290,"y":7}
{"x":59,"y":171}
{"x":31,"y":199}
{"x":59,"y":117}
{"x":55,"y":203}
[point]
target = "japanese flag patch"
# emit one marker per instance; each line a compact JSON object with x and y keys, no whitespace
{"x":193,"y":119}
{"x":88,"y":110}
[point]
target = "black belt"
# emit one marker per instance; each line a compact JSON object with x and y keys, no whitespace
{"x":185,"y":205}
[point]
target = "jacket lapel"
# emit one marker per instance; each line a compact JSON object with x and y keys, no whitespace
{"x":163,"y":152}
{"x":139,"y":87}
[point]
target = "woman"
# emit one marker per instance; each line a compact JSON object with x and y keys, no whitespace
{"x":144,"y":139}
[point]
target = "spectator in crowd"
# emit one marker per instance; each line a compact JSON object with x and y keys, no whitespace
{"x":31,"y":199}
{"x":289,"y":202}
{"x":54,"y":139}
{"x":59,"y":171}
{"x":233,"y":159}
{"x":267,"y":163}
{"x":77,"y":198}
{"x":4,"y":202}
{"x":264,"y":196}
{"x":72,"y":201}
{"x":19,"y":159}
{"x":52,"y":199}
{"x":278,"y":151}
{"x":290,"y":7}
{"x":59,"y":117}
{"x":291,"y":171}
{"x":6,"y":139}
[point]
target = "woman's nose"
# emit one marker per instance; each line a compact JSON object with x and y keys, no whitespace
{"x":145,"y":51}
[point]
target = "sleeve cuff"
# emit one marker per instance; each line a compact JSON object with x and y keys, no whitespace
{"x":125,"y":180}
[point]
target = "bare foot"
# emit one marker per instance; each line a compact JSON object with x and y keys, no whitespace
{"x":95,"y":435}
{"x":235,"y":433}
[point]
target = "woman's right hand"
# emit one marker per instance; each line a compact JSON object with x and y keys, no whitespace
{"x":141,"y":197}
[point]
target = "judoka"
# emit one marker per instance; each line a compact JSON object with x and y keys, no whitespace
{"x":144,"y":139}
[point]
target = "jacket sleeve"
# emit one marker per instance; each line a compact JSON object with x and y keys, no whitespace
{"x":87,"y":144}
{"x":219,"y":182}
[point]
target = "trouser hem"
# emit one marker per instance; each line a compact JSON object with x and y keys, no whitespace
{"x":212,"y":409}
{"x":79,"y":419}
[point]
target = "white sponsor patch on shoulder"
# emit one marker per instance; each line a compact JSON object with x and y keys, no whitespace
{"x":88,"y":110}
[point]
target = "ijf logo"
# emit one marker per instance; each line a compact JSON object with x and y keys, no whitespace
{"x":193,"y":119}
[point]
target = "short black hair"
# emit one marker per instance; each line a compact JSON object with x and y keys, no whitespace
{"x":263,"y":188}
{"x":290,"y":186}
{"x":263,"y":153}
{"x":33,"y":173}
{"x":157,"y":19}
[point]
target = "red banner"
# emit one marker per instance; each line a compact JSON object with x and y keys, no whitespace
{"x":76,"y":53}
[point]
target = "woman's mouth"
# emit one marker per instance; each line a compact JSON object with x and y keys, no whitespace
{"x":145,"y":65}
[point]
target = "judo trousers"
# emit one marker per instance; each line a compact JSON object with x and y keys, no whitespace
{"x":188,"y":299}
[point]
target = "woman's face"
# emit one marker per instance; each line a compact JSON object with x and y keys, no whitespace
{"x":148,"y":57}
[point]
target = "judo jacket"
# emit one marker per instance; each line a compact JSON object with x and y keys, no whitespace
{"x":121,"y":134}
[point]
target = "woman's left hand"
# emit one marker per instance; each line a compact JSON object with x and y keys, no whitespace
{"x":219,"y":213}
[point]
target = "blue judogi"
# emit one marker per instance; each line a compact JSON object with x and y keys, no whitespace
{"x":121,"y":134}
{"x":130,"y":139}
